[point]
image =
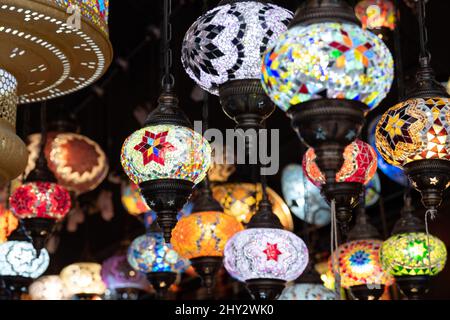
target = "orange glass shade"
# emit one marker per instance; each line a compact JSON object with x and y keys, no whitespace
{"x":204,"y":234}
{"x":8,"y":223}
{"x":78,"y":162}
{"x":132,"y":200}
{"x":240,"y":201}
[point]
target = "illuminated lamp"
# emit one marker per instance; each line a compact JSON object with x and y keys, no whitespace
{"x":377,"y":16}
{"x":8,"y":223}
{"x":83,"y":280}
{"x":48,"y":288}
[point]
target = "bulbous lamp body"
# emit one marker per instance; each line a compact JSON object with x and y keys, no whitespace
{"x":19,"y":259}
{"x":360,"y":165}
{"x":165,"y":152}
{"x":204,"y":234}
{"x":226,"y":43}
{"x":307,"y":291}
{"x":265,"y":253}
{"x":327,"y":60}
{"x":407,"y":254}
{"x":240,"y":201}
{"x":40,"y":200}
{"x":78,"y":163}
{"x":8,"y":223}
{"x":48,"y":288}
{"x":83,"y":279}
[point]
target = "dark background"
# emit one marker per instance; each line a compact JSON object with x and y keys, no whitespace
{"x":108,"y":118}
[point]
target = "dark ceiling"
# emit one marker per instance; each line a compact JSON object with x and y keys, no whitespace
{"x":106,"y":111}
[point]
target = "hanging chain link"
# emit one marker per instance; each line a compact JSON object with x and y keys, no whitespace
{"x":168,"y":80}
{"x":423,"y":34}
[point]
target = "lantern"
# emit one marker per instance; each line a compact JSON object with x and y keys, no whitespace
{"x":8,"y":223}
{"x":48,"y":288}
{"x":377,"y":16}
{"x":83,"y":280}
{"x":307,"y":291}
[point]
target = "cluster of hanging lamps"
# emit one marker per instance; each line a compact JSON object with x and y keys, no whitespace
{"x":153,"y":256}
{"x":222,"y":50}
{"x":166,"y":158}
{"x":414,"y":134}
{"x":412,"y":255}
{"x":121,"y":280}
{"x":358,"y":261}
{"x":40,"y":201}
{"x":377,"y":16}
{"x":326,"y":73}
{"x":358,"y":169}
{"x":49,"y":287}
{"x":83,"y":281}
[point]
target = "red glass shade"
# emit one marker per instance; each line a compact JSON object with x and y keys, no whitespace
{"x":40,"y":200}
{"x":360,"y":164}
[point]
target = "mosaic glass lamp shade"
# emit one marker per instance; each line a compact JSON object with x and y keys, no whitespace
{"x":392,"y":172}
{"x":19,"y":258}
{"x":408,"y":254}
{"x":304,"y":198}
{"x":373,"y":191}
{"x":376,"y":14}
{"x":226,"y":43}
{"x":117,"y":273}
{"x":165,"y":152}
{"x":132,"y":199}
{"x":265,"y":253}
{"x":327,"y":60}
{"x":307,"y":291}
{"x":40,"y":200}
{"x":359,"y":264}
{"x":204,"y":234}
{"x":78,"y":163}
{"x":240,"y":201}
{"x":415,"y":129}
{"x":8,"y":223}
{"x":83,"y":278}
{"x":48,"y":288}
{"x":149,"y":253}
{"x":360,"y":165}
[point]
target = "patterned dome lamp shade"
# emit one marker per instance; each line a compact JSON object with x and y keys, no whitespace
{"x":19,"y":265}
{"x":222,"y":52}
{"x":265,"y":256}
{"x":361,"y":272}
{"x":122,"y":281}
{"x":415,"y":134}
{"x":359,"y":167}
{"x":378,"y":16}
{"x":201,"y":236}
{"x":167,"y":158}
{"x":40,"y":201}
{"x":83,"y":280}
{"x":151,"y":255}
{"x":326,"y":73}
{"x":412,"y":256}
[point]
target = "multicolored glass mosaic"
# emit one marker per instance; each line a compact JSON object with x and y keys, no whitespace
{"x":83,"y":278}
{"x":226,"y":43}
{"x":165,"y":152}
{"x":95,"y":11}
{"x":132,"y":199}
{"x":40,"y":200}
{"x":376,"y":14}
{"x":392,"y":172}
{"x":117,"y":273}
{"x":303,"y":198}
{"x":360,"y":165}
{"x":8,"y":223}
{"x":415,"y":129}
{"x":149,"y":253}
{"x":359,"y":264}
{"x":373,"y":191}
{"x":408,"y":254}
{"x":204,"y":234}
{"x":19,"y":258}
{"x":264,"y":253}
{"x":327,"y":60}
{"x":240,"y":201}
{"x":307,"y":291}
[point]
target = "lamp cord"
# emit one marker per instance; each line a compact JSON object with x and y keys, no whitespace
{"x":168,"y":80}
{"x":432,"y":214}
{"x":423,"y":34}
{"x":398,"y":54}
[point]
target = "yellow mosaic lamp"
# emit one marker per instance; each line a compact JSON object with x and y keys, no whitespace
{"x":83,"y":280}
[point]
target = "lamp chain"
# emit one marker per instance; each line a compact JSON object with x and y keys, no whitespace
{"x":398,"y":54}
{"x":423,"y":34}
{"x":432,"y":214}
{"x":168,"y":80}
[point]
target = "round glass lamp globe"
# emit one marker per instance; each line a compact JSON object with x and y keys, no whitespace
{"x":48,"y":288}
{"x":307,"y":291}
{"x":83,"y":278}
{"x":327,"y":60}
{"x":264,"y":253}
{"x":226,"y":43}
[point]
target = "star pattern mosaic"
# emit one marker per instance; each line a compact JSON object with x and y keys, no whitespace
{"x":414,"y":130}
{"x":327,"y":60}
{"x":227,"y":42}
{"x":154,"y":146}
